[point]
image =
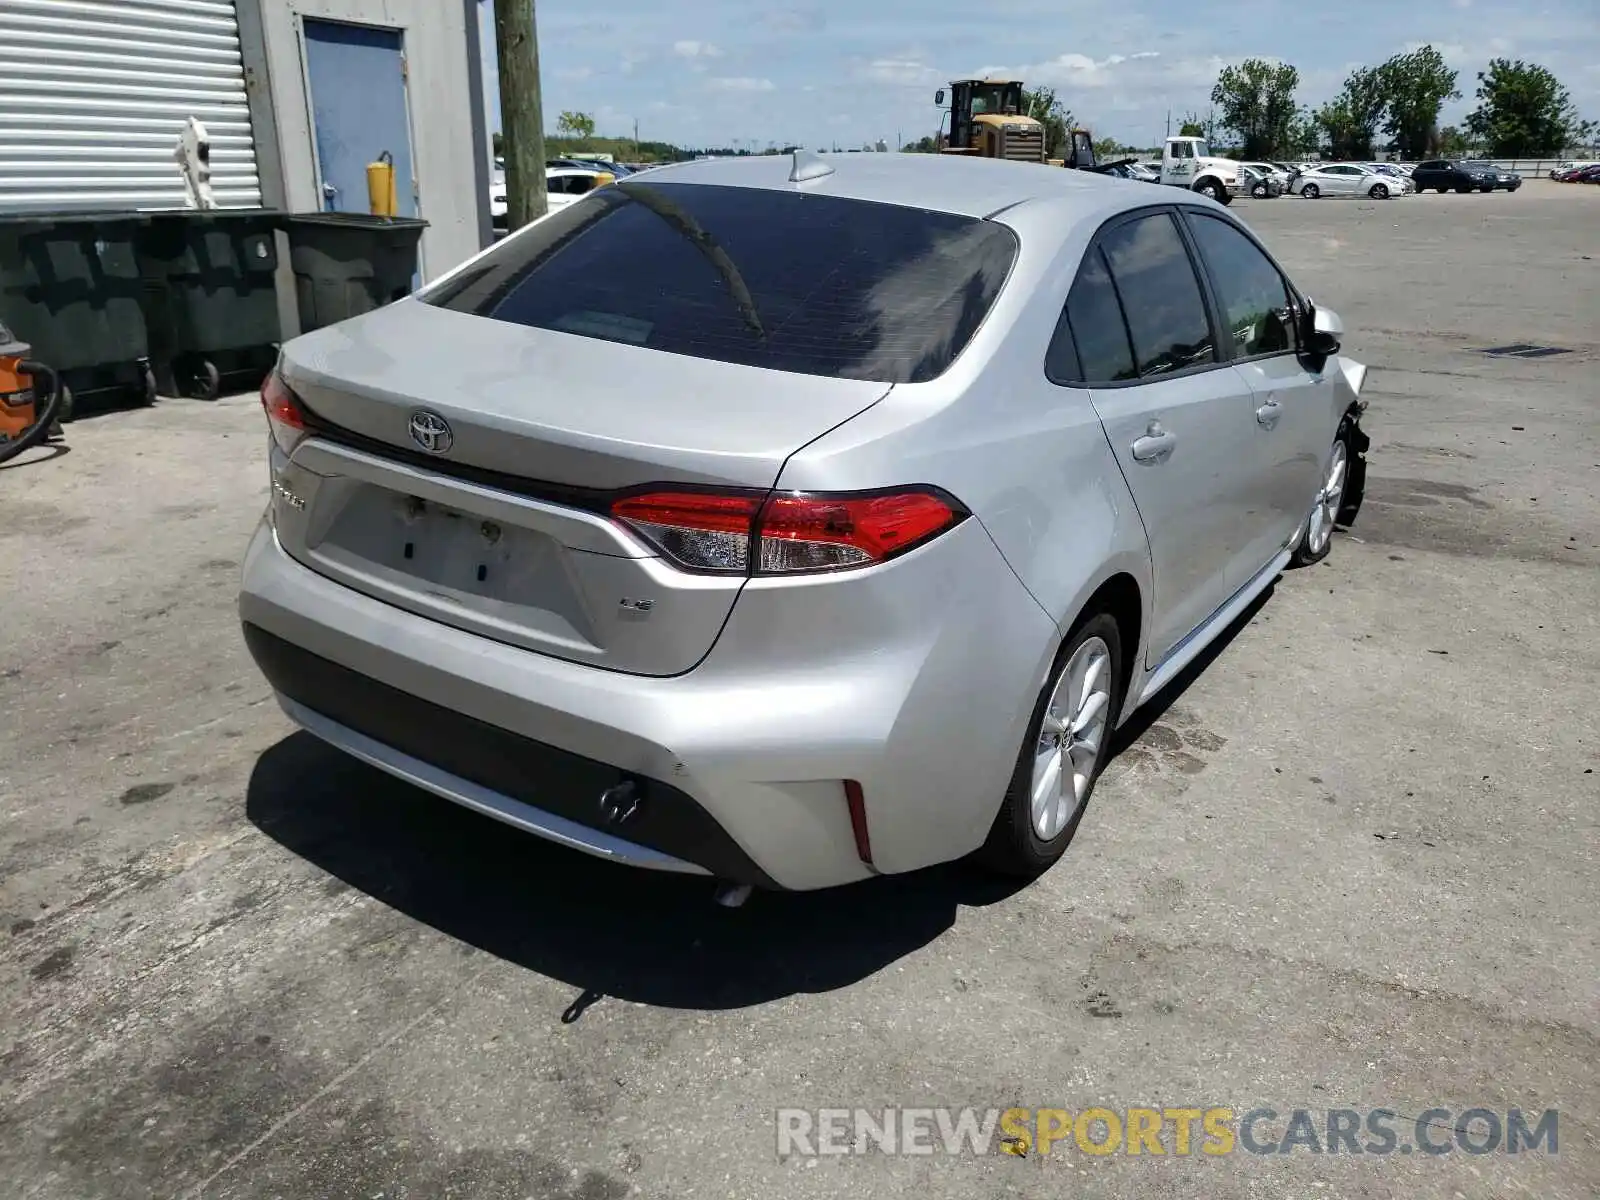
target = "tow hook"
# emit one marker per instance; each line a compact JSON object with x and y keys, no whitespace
{"x":620,"y":802}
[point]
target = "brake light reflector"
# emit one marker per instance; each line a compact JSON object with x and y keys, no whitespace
{"x":856,"y":801}
{"x":285,"y":418}
{"x":798,"y":532}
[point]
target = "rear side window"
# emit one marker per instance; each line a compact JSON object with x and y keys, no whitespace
{"x":1160,"y":295}
{"x":1092,"y":325}
{"x":1254,"y":298}
{"x":816,"y":285}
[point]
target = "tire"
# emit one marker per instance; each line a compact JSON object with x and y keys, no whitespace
{"x":1210,"y":187}
{"x":147,"y":386}
{"x":1259,"y":191}
{"x":1379,"y":192}
{"x":1316,"y":536}
{"x":205,"y":383}
{"x":1310,"y":191}
{"x":1025,"y":843}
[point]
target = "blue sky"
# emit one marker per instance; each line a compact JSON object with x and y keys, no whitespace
{"x":707,"y":72}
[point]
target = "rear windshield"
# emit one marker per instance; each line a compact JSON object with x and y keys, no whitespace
{"x":797,"y":282}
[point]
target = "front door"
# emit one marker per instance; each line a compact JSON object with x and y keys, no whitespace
{"x":1295,"y":417}
{"x":1176,"y":417}
{"x":357,"y":78}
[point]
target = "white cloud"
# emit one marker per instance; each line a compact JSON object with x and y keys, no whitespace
{"x":899,"y":72}
{"x":574,"y":73}
{"x":739,"y":83}
{"x":1072,"y":70}
{"x":692,"y":49}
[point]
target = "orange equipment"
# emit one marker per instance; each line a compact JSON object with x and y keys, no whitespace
{"x":22,"y":424}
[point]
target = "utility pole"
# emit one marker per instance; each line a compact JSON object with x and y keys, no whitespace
{"x":636,"y":137}
{"x":521,"y":111}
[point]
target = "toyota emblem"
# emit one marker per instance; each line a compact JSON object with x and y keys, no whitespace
{"x":431,"y":431}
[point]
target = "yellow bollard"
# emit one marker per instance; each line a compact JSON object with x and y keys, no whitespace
{"x":381,"y":199}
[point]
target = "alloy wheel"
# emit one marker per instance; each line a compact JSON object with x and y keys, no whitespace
{"x":1077,"y":720}
{"x":1326,"y":509}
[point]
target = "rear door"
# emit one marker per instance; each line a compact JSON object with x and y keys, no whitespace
{"x":1294,"y":417}
{"x":1173,"y":413}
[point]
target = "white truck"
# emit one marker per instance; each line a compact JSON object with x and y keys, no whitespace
{"x":1188,"y":162}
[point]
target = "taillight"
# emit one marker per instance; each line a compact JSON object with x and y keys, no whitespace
{"x":791,"y":533}
{"x":285,"y":417}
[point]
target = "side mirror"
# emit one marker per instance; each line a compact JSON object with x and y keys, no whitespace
{"x":1322,"y":333}
{"x":938,"y":97}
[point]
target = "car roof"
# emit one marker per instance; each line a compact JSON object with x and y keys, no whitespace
{"x":972,"y":187}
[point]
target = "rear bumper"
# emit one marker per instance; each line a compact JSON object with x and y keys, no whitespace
{"x":915,"y":680}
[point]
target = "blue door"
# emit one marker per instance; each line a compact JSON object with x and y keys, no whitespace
{"x":358,"y":110}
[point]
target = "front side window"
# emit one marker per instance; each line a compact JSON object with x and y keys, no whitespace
{"x":791,"y":281}
{"x":1254,"y":298}
{"x":1160,"y":295}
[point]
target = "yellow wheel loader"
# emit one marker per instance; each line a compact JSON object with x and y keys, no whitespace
{"x":987,"y":119}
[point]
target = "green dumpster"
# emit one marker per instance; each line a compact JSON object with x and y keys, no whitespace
{"x":69,"y":286}
{"x":210,"y":297}
{"x":346,"y":264}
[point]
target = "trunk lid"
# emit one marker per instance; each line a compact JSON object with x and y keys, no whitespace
{"x":456,"y":537}
{"x":561,"y":408}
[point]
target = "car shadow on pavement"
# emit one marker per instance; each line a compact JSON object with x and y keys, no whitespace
{"x":1156,"y":707}
{"x":609,"y":930}
{"x":605,"y":929}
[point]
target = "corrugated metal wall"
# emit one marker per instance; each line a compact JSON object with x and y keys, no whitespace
{"x":94,"y":94}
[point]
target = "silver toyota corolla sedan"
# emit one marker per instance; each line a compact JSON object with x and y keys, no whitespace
{"x":790,"y":520}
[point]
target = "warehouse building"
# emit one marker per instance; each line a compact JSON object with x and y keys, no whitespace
{"x":298,"y":96}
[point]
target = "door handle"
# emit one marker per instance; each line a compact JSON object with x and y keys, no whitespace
{"x":1155,"y":445}
{"x":1267,"y":415}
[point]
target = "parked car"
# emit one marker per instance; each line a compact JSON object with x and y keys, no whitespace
{"x":1570,"y":166}
{"x":1393,"y":170}
{"x":1576,"y":172}
{"x":1283,"y":176}
{"x":1347,"y":179}
{"x":1263,"y":185}
{"x":1443,"y":175}
{"x":1145,"y":172}
{"x":903,"y":524}
{"x":1587,"y":175}
{"x":564,"y":186}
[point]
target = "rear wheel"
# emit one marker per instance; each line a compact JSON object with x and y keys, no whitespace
{"x":1066,"y":746}
{"x":1310,"y":191}
{"x":1379,"y":192}
{"x":1259,"y":191}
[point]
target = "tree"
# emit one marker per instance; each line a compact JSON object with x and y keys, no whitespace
{"x":1042,"y":104}
{"x":1453,"y":143}
{"x":923,"y":145}
{"x":1338,"y":126}
{"x":521,"y":111}
{"x":1524,"y":112}
{"x":575,"y":125}
{"x":1417,"y":85}
{"x":1257,"y":102}
{"x":1304,"y":134}
{"x":1108,"y":147}
{"x":1192,"y":126}
{"x":1363,"y":102}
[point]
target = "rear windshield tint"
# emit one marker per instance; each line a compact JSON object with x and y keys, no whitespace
{"x":797,"y":282}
